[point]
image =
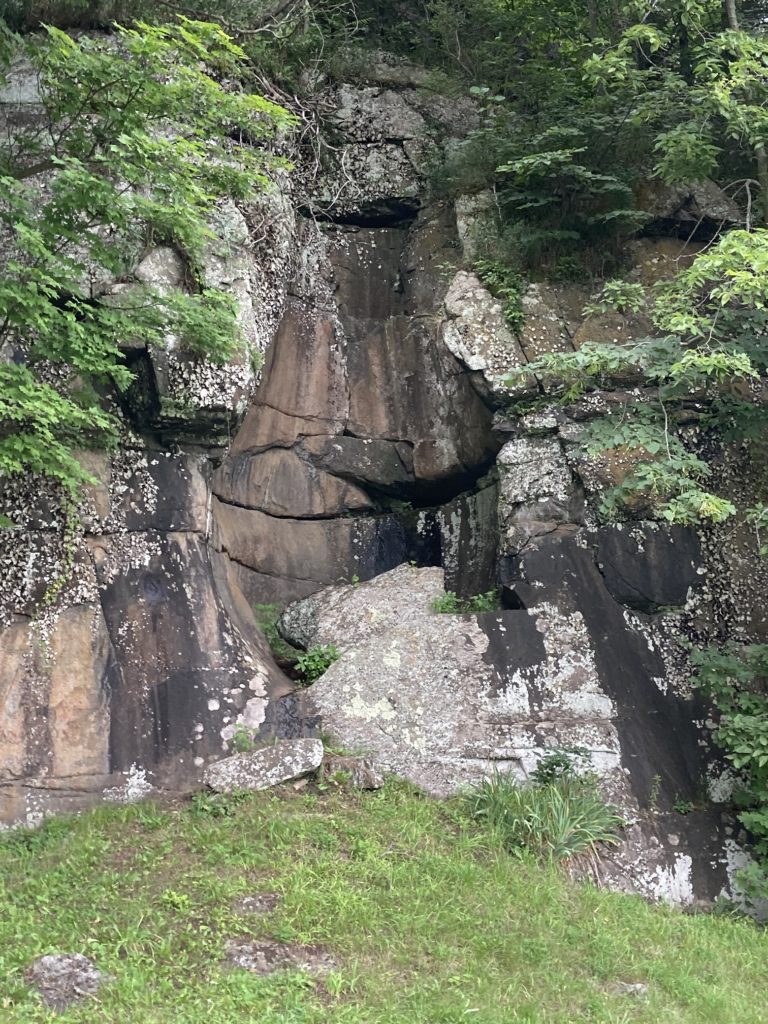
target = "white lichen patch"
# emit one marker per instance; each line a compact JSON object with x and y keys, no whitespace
{"x":135,"y":786}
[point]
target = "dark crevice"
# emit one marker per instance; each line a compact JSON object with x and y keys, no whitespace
{"x":140,"y":403}
{"x":350,"y":514}
{"x":511,"y":600}
{"x":385,"y":213}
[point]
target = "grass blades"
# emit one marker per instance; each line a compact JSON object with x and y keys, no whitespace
{"x":556,"y":821}
{"x":429,"y":919}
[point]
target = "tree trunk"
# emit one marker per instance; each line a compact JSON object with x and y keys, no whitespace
{"x":761,"y":154}
{"x":592,"y":9}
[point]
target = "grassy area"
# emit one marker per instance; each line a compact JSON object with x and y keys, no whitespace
{"x":429,"y":923}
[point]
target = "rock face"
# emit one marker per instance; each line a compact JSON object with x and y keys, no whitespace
{"x":369,"y":463}
{"x":142,"y":667}
{"x":446,"y":700}
{"x":363,"y":409}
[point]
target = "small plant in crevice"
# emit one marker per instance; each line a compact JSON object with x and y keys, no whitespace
{"x":244,"y":740}
{"x":563,"y":763}
{"x":617,"y":296}
{"x":267,"y":616}
{"x":654,"y":792}
{"x":683,"y":806}
{"x":316,"y":661}
{"x":450,"y":603}
{"x":505,"y":284}
{"x":555,"y":820}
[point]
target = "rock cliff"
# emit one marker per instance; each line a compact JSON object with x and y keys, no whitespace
{"x":375,"y":443}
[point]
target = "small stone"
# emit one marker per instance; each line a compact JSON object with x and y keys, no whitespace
{"x":269,"y":957}
{"x":262,"y":769}
{"x":259,"y":903}
{"x":630,"y":988}
{"x":64,"y":978}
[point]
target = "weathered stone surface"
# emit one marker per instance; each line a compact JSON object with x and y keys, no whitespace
{"x":428,"y":261}
{"x":477,"y":217}
{"x":140,"y":668}
{"x":375,"y":179}
{"x":552,"y":313}
{"x":62,"y":671}
{"x":262,"y":769}
{"x":406,"y":386}
{"x":371,"y":114}
{"x":477,"y":334}
{"x":657,"y":259}
{"x":185,"y":669}
{"x":361,"y":400}
{"x":390,"y":138}
{"x":65,"y":978}
{"x":162,"y":268}
{"x":537,"y":492}
{"x":320,"y":551}
{"x":401,"y":661}
{"x":446,"y":699}
{"x":175,"y":392}
{"x":304,"y":390}
{"x":281,"y":483}
{"x":649,"y":566}
{"x":696,"y":211}
{"x":469,"y":540}
{"x":367,"y":271}
{"x":613,"y":329}
{"x":388,"y":465}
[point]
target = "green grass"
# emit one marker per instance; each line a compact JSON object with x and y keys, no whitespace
{"x":556,"y":821}
{"x":430,"y":922}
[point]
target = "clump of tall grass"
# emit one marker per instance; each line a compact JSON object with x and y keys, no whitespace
{"x":556,"y":817}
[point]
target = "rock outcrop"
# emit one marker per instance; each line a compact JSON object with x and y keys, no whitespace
{"x":130,"y":653}
{"x":369,"y":462}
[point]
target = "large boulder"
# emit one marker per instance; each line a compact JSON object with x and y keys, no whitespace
{"x":446,"y":700}
{"x":698,"y":210}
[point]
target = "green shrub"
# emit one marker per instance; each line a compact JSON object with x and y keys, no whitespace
{"x":506,"y":285}
{"x":316,"y":661}
{"x":735,"y":678}
{"x":563,"y":763}
{"x":450,"y":603}
{"x":555,"y":821}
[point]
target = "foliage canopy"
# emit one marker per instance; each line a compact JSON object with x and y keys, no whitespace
{"x":135,"y":140}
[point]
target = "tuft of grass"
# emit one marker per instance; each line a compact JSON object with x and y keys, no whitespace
{"x":427,"y":918}
{"x":555,"y":821}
